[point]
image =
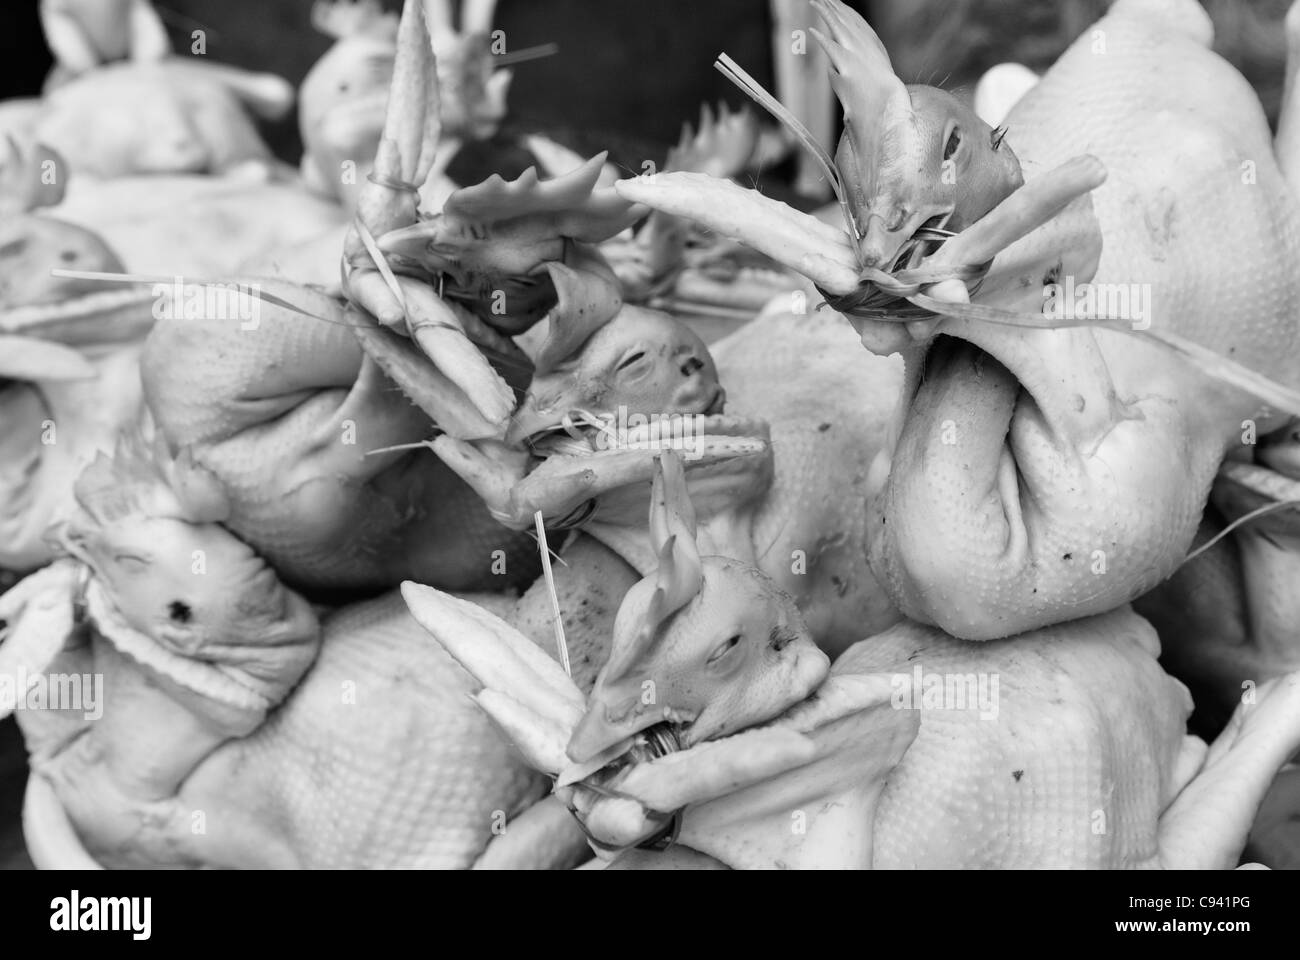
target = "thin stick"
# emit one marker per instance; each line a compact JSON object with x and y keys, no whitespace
{"x":555,"y":599}
{"x":1243,"y":519}
{"x":526,"y":54}
{"x":423,"y":444}
{"x":245,"y":288}
{"x":115,"y":277}
{"x":755,"y":91}
{"x":380,"y":263}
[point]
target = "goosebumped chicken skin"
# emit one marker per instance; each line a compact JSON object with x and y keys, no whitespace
{"x":69,"y":373}
{"x":233,"y":728}
{"x":1064,"y":747}
{"x":1047,"y":474}
{"x":797,"y":510}
{"x":286,"y":410}
{"x":1083,"y":484}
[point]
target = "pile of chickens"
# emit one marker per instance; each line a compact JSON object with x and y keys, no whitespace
{"x":364,"y":518}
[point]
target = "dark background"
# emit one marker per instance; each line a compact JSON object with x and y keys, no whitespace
{"x":626,"y":69}
{"x":630,"y":71}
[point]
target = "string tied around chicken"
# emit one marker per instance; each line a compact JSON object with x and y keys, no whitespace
{"x":392,"y":183}
{"x":882,"y":294}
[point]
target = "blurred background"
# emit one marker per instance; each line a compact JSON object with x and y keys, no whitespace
{"x":629,"y":72}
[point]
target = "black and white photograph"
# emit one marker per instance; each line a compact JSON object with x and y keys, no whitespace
{"x":623,"y":435}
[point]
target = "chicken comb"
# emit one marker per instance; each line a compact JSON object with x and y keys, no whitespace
{"x":671,"y":511}
{"x":874,"y":101}
{"x":679,"y":577}
{"x":126,"y":483}
{"x":720,"y":146}
{"x":575,"y":193}
{"x":136,"y":480}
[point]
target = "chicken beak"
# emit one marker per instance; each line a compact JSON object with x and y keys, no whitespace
{"x":879,"y":246}
{"x":597,"y":733}
{"x":529,"y":421}
{"x":550,"y":397}
{"x":406,"y":243}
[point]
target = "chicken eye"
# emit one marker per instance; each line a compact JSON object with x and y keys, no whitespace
{"x":954,"y":141}
{"x":724,"y":648}
{"x":630,"y":361}
{"x":130,"y":563}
